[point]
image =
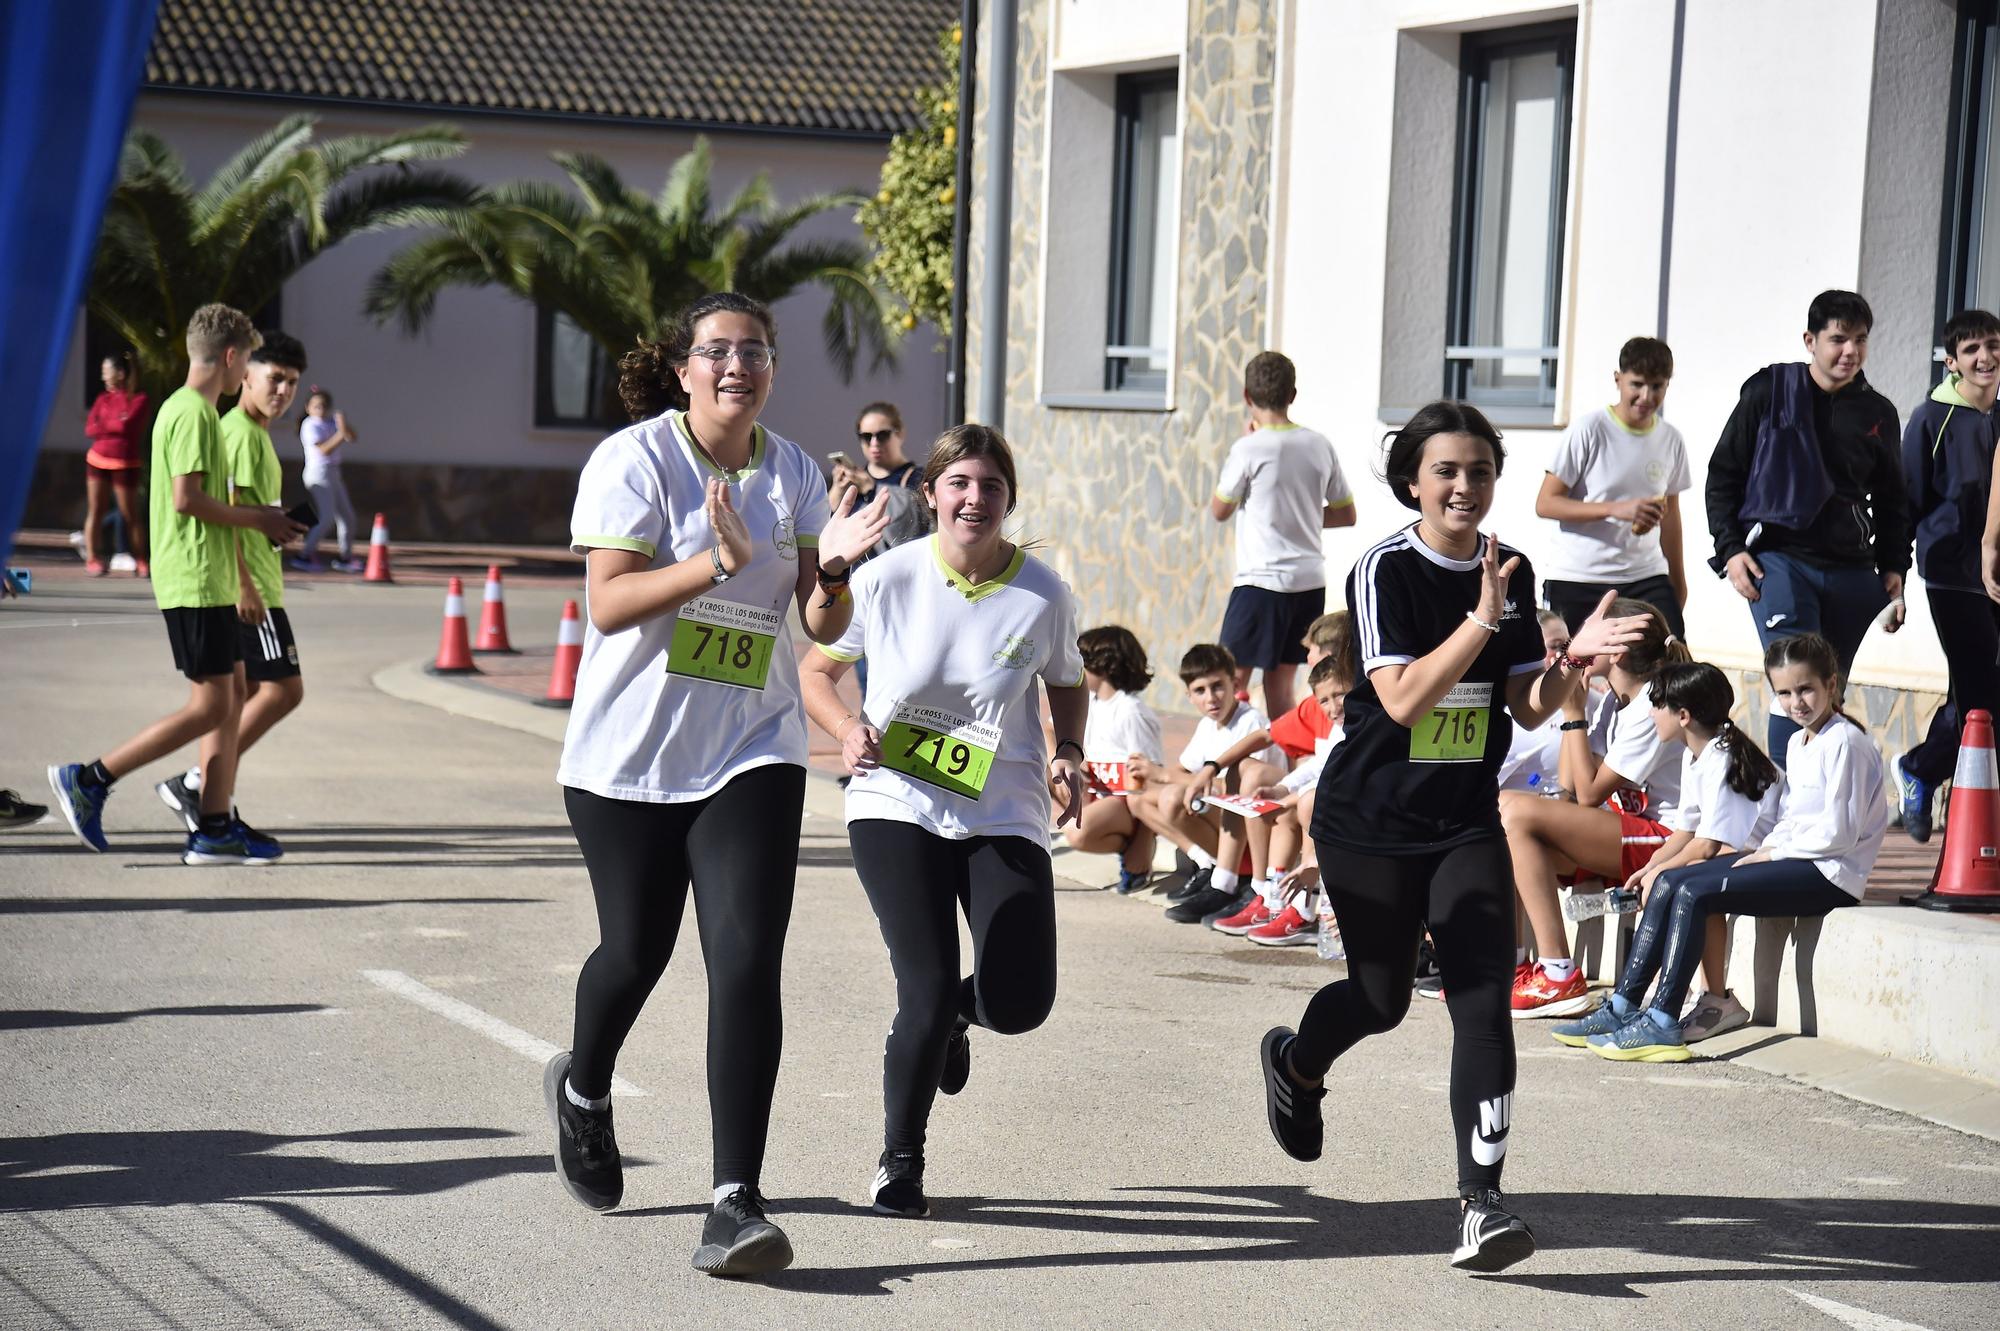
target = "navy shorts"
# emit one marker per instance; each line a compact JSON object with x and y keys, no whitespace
{"x":270,"y":652}
{"x":1263,"y":628}
{"x":204,"y":639}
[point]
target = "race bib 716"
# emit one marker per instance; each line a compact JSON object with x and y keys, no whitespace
{"x":1454,"y":731}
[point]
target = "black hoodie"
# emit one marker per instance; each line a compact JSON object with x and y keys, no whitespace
{"x":1865,"y":524}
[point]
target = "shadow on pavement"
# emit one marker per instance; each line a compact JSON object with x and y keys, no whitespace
{"x":183,"y":1168}
{"x":1720,"y":1238}
{"x":36,"y":1019}
{"x":378,"y":1263}
{"x":227,"y":905}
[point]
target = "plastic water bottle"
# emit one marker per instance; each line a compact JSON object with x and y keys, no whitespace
{"x":1548,"y":790}
{"x":1590,"y":905}
{"x":1328,"y":942}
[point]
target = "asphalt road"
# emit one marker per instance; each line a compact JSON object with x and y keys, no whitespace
{"x":309,"y":1095}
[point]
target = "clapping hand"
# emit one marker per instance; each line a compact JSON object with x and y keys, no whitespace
{"x":732,"y":538}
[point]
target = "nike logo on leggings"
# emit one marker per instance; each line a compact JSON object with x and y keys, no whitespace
{"x":1489,"y":1139}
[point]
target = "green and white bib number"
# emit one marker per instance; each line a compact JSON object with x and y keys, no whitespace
{"x":724,"y":642}
{"x":1454,"y":731}
{"x":939,"y":749}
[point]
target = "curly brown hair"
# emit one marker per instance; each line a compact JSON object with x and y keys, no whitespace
{"x":1112,"y":652}
{"x":647,"y":382}
{"x":1270,"y":380}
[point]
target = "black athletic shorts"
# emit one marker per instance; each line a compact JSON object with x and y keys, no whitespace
{"x":204,"y":639}
{"x":1263,"y":628}
{"x":269,"y":650}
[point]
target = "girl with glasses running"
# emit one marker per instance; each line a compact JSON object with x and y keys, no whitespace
{"x":1407,"y":818}
{"x":684,"y":765}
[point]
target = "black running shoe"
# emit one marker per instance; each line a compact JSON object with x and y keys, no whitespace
{"x":1236,"y":906}
{"x":17,"y":812}
{"x":185,"y":803}
{"x":737,"y":1239}
{"x":1195,"y":909}
{"x":957,"y":1061}
{"x":1490,"y":1237}
{"x":1293,"y":1111}
{"x":899,"y":1186}
{"x":1193,"y":885}
{"x":587,"y":1158}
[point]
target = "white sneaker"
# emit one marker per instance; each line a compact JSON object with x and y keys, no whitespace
{"x":1713,"y":1015}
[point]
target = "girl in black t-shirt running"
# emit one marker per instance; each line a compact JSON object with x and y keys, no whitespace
{"x":1407,"y":818}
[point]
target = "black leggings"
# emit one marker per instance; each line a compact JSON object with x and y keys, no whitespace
{"x":1671,"y":931}
{"x":1382,"y":903}
{"x":740,"y":848}
{"x":918,"y":882}
{"x":1968,"y":628}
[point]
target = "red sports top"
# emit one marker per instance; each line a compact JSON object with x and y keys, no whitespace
{"x":116,"y":427}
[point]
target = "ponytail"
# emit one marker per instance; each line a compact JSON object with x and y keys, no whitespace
{"x":1751,"y":771}
{"x":1703,"y":692}
{"x":1656,"y":647}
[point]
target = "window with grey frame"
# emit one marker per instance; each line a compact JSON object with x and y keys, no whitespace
{"x":1969,"y":246}
{"x":1145,"y":181}
{"x":1505,"y":320}
{"x":575,"y":382}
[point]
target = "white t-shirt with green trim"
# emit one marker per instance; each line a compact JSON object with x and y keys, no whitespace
{"x":951,"y":687}
{"x":667,"y":711}
{"x":1603,"y":460}
{"x":1282,"y":478}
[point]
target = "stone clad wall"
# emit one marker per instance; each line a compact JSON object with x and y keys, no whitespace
{"x":1117,"y":500}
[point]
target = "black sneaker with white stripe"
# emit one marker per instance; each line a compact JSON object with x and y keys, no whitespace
{"x":738,"y":1239}
{"x":1490,"y":1237}
{"x":185,"y":803}
{"x":957,"y":1060}
{"x":1292,"y":1109}
{"x":899,"y":1186}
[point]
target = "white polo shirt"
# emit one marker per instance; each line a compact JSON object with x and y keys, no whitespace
{"x":951,"y":688}
{"x":672,"y":709}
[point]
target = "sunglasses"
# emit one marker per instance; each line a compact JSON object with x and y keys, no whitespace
{"x":875,"y":436}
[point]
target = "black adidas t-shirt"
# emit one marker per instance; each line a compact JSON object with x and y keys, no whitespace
{"x":1391,"y":790}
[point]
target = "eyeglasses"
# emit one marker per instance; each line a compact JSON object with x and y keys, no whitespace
{"x":754,"y":357}
{"x":875,"y":436}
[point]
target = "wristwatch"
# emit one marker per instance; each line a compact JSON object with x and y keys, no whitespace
{"x":722,"y":574}
{"x":1576,"y":725}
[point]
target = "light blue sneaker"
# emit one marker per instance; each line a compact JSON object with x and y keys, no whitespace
{"x":1606,"y":1019}
{"x":237,"y":845}
{"x":82,"y":808}
{"x":1914,"y":799}
{"x":1643,"y":1040}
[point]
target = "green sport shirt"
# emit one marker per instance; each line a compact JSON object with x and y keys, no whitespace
{"x":252,"y":463}
{"x":194,"y":562}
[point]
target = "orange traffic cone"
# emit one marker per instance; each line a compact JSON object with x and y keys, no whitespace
{"x":1968,"y":872}
{"x":569,"y":654}
{"x":454,"y":653}
{"x":378,"y":552}
{"x":493,"y":617}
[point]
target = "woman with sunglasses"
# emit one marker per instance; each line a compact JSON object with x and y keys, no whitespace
{"x":684,"y":765}
{"x":879,"y":430}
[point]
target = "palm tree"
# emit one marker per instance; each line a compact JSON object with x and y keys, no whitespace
{"x":166,"y":248}
{"x":619,"y":264}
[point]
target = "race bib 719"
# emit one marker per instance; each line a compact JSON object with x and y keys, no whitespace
{"x":950,"y":752}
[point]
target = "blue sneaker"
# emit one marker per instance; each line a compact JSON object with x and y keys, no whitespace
{"x":1643,"y":1040}
{"x":237,"y":845}
{"x":82,"y":807}
{"x":264,"y":848}
{"x":1914,"y":798}
{"x":1605,"y":1020}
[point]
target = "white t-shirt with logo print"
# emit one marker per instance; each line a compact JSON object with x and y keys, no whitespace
{"x":1602,"y":460}
{"x":957,"y":662}
{"x":636,"y":730}
{"x":1647,"y":762}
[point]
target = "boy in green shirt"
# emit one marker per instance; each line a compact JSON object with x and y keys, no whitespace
{"x":264,"y":631}
{"x":195,"y":584}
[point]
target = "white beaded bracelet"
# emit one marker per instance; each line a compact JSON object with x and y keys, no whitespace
{"x":1474,"y":617}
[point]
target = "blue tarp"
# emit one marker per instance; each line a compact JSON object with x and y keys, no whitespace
{"x":69,"y":70}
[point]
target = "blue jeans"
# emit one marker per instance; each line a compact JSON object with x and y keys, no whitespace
{"x":1837,"y":603}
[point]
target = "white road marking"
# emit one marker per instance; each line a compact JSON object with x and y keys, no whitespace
{"x":422,"y":931}
{"x":951,"y":1243}
{"x":453,"y":1009}
{"x":1875,"y":1181}
{"x":1858,"y":1318}
{"x":1970,"y":1164}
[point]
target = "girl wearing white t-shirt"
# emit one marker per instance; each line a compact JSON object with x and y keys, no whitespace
{"x":1547,"y":837}
{"x":1730,"y":794}
{"x":1120,"y":727}
{"x":1816,"y":859}
{"x":684,"y":765}
{"x":949,"y":804}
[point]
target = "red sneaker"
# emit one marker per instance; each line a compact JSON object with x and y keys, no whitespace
{"x":95,"y":567}
{"x":1287,"y":929}
{"x":1243,"y":921}
{"x":1536,"y":995}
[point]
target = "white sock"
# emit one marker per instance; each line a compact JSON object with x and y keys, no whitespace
{"x":1224,"y":879}
{"x":1559,"y":970}
{"x":1202,"y":859}
{"x":192,"y":780}
{"x":569,"y":1091}
{"x":722,"y":1190}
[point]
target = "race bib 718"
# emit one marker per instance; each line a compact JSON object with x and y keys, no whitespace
{"x":724,"y":642}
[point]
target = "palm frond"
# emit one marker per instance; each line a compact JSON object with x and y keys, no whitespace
{"x":602,"y":188}
{"x":264,"y":154}
{"x":147,"y":155}
{"x":407,"y":287}
{"x":425,"y":143}
{"x":684,"y":199}
{"x":402,"y":197}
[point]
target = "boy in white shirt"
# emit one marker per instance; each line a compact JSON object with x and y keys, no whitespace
{"x":1613,"y":488}
{"x":1288,"y":485}
{"x":1214,"y":842}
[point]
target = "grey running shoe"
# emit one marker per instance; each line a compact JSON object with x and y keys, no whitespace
{"x":1714,"y":1015}
{"x":587,"y":1159}
{"x":1576,"y":1034}
{"x":737,"y":1239}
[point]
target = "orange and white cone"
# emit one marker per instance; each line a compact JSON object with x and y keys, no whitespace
{"x":378,"y":552}
{"x":569,"y":655}
{"x":1968,"y":872}
{"x":493,"y":617}
{"x":454,"y":651}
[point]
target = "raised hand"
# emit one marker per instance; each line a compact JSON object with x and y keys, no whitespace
{"x":851,"y":533}
{"x":1601,"y":635}
{"x":1493,"y":581}
{"x":732,"y":538}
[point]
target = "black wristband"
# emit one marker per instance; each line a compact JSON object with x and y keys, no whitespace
{"x":1576,"y":725}
{"x":1216,"y":765}
{"x":1066,"y":744}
